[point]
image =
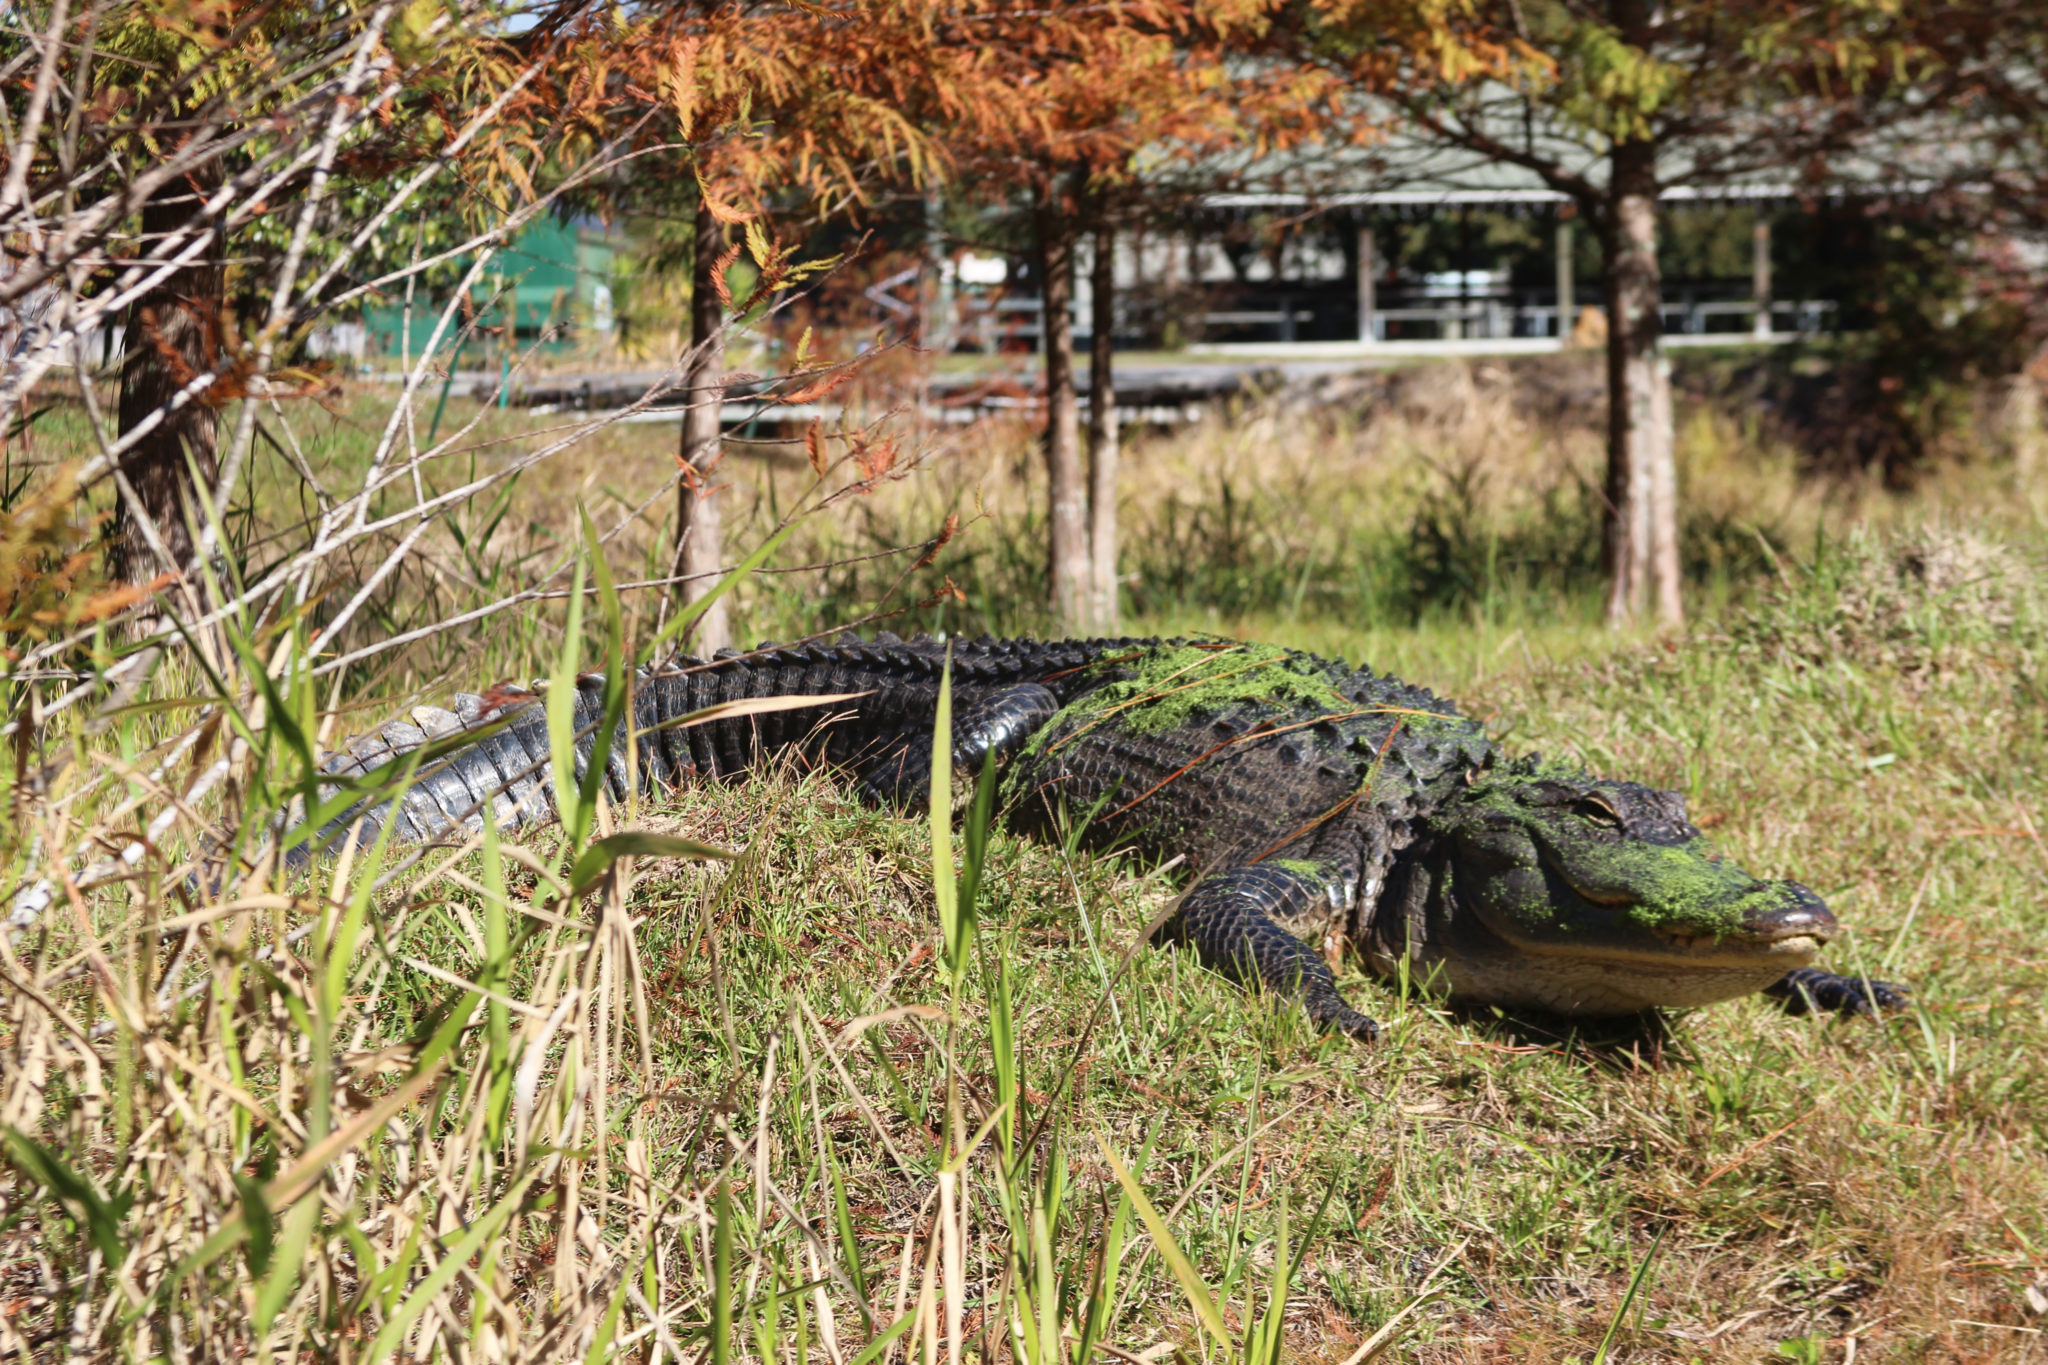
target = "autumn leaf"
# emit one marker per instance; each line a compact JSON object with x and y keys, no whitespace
{"x":830,"y":384}
{"x":113,"y":601}
{"x":718,"y":280}
{"x":722,"y":211}
{"x":939,"y":542}
{"x":678,"y":81}
{"x":814,"y":446}
{"x":873,"y":459}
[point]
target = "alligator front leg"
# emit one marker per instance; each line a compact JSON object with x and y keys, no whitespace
{"x":996,"y":724}
{"x":1809,"y":988}
{"x":1232,"y":919}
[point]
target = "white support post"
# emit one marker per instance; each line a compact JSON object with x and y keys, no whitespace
{"x":1368,"y":267}
{"x":1565,"y":309}
{"x":1760,"y":268}
{"x":937,"y":327}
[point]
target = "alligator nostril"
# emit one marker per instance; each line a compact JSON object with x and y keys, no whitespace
{"x":1791,"y":912}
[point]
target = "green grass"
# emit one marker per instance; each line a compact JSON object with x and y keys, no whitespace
{"x":1800,"y":1178}
{"x":716,"y":1109}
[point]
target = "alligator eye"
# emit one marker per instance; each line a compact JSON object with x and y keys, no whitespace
{"x":1597,"y":810}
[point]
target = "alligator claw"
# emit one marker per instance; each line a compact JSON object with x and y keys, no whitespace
{"x":1352,"y":1025}
{"x":1810,"y":989}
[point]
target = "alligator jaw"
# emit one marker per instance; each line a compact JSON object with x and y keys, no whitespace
{"x":1791,"y":931}
{"x":1709,"y":947}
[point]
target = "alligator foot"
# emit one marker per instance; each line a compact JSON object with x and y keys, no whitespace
{"x":1229,"y":918}
{"x":1809,"y":988}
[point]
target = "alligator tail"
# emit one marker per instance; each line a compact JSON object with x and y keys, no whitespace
{"x":507,"y":770}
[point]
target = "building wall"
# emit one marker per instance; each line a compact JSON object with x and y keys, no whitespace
{"x":554,"y":275}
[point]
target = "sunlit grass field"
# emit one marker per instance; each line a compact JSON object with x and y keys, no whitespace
{"x":1784,"y":1186}
{"x":745,"y":1109}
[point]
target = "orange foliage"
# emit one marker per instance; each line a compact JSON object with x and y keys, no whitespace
{"x":828,"y":103}
{"x":1025,"y":94}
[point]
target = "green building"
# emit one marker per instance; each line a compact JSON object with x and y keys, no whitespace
{"x":554,"y":275}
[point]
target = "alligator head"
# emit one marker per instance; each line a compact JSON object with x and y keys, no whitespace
{"x":1560,"y":891}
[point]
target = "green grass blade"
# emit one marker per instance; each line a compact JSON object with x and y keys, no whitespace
{"x":601,"y":1342}
{"x":874,"y":1349}
{"x":617,"y":679}
{"x":452,"y":1262}
{"x":277,"y":1288}
{"x":1096,"y":1326}
{"x":1045,"y":1285}
{"x":561,"y":707}
{"x":102,"y":1215}
{"x":496,"y":975}
{"x":1002,"y":1041}
{"x":262,"y":1226}
{"x":688,"y":615}
{"x":1635,"y":1286}
{"x":975,"y":836}
{"x":639,"y":843}
{"x":721,"y":1275}
{"x":956,"y":917}
{"x":849,"y":1243}
{"x":1268,"y":1331}
{"x":1191,"y":1285}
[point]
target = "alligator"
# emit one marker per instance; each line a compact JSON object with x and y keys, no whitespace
{"x":1315,"y":806}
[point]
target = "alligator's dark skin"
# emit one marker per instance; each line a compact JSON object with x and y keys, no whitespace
{"x":1314,"y":803}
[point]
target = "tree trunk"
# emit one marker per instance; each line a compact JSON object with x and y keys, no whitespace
{"x":1665,"y":582}
{"x":172,"y":337}
{"x":935,"y":329}
{"x":1640,"y":545}
{"x":1102,"y":435}
{"x":1070,"y":570}
{"x":700,"y":539}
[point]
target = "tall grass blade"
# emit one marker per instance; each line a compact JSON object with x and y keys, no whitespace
{"x":262,"y":1225}
{"x":1183,"y":1269}
{"x":496,"y":976}
{"x":1635,"y":1287}
{"x":597,"y":859}
{"x":453,"y":1260}
{"x":102,"y":1214}
{"x":849,"y":1241}
{"x":1002,"y":1031}
{"x":721,"y":1272}
{"x":687,"y":616}
{"x":617,"y":687}
{"x":289,"y":1262}
{"x":1101,"y":1302}
{"x":956,"y":916}
{"x":980,"y":816}
{"x":608,"y":1327}
{"x":561,"y":709}
{"x":1264,"y":1342}
{"x":874,"y":1349}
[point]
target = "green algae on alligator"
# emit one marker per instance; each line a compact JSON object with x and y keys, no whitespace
{"x":1316,"y":805}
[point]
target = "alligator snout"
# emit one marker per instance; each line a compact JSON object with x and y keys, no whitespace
{"x":1790,"y":911}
